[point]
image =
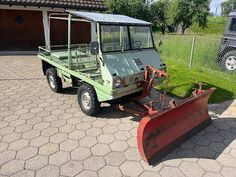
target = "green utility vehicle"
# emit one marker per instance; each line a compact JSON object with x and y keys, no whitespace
{"x":111,"y":66}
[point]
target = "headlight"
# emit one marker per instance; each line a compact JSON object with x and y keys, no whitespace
{"x":117,"y":83}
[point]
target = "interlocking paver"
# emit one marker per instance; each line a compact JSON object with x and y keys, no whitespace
{"x":109,"y":171}
{"x":80,"y":153}
{"x":58,"y":123}
{"x":228,"y":172}
{"x":24,"y":173}
{"x":171,"y":171}
{"x":172,"y":160}
{"x":11,"y":137}
{"x":210,"y":165}
{"x":131,"y":168}
{"x":48,"y":149}
{"x":6,"y":130}
{"x":58,"y":138}
{"x":36,"y":162}
{"x":122,"y":135}
{"x":69,"y":145}
{"x":94,"y":132}
{"x":39,"y":141}
{"x":87,"y":173}
{"x":149,"y":174}
{"x":83,"y":126}
{"x":71,"y":168}
{"x":115,"y":158}
{"x":119,"y":146}
{"x":227,"y":160}
{"x":132,"y":154}
{"x":88,"y":141}
{"x":110,"y":129}
{"x":41,"y":125}
{"x":67,"y":128}
{"x":31,"y":134}
{"x":37,"y":124}
{"x":12,"y":167}
{"x":6,"y":156}
{"x":48,"y":170}
{"x":59,"y":158}
{"x":3,"y":146}
{"x":49,"y":131}
{"x":77,"y":134}
{"x":105,"y":138}
{"x":73,"y":121}
{"x":191,"y":169}
{"x":27,"y":153}
{"x":19,"y":144}
{"x":94,"y":163}
{"x":100,"y":149}
{"x":204,"y":152}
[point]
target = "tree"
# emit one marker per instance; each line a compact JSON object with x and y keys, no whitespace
{"x":134,"y":8}
{"x":227,"y":7}
{"x":159,"y":14}
{"x":190,"y":11}
{"x":163,"y":12}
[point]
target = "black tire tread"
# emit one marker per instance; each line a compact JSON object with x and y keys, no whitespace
{"x":58,"y":82}
{"x":95,"y":109}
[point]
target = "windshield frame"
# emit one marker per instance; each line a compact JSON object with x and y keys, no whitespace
{"x":129,"y":37}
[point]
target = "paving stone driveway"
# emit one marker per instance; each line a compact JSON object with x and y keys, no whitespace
{"x":44,"y":134}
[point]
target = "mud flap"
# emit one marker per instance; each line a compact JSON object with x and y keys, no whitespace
{"x":161,"y":133}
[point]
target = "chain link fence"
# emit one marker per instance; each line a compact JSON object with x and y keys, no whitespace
{"x":210,"y":53}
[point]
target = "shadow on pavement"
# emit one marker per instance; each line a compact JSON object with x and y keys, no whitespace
{"x":210,"y":143}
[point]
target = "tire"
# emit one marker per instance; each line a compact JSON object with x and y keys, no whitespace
{"x":54,"y":81}
{"x":228,"y":63}
{"x":87,"y":99}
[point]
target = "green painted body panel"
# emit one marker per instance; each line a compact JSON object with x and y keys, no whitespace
{"x":104,"y":93}
{"x":128,"y":65}
{"x":123,"y":64}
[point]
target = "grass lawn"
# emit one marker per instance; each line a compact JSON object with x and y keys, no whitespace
{"x":176,"y":50}
{"x":215,"y":26}
{"x":182,"y":80}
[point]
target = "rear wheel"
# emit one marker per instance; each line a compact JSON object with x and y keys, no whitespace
{"x":229,"y":61}
{"x":87,"y":99}
{"x":54,"y":81}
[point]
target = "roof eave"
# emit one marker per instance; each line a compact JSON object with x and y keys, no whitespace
{"x":53,"y":6}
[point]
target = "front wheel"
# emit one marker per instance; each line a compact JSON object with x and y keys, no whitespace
{"x":229,"y":61}
{"x":87,"y":99}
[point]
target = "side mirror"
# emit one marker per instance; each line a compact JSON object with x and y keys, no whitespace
{"x":94,"y":48}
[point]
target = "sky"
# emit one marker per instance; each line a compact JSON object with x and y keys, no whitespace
{"x":216,"y":4}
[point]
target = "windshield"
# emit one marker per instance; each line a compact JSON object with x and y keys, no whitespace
{"x":114,"y":38}
{"x":140,"y":37}
{"x":117,"y":38}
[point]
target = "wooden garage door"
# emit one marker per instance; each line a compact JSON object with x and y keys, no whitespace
{"x":21,"y":30}
{"x":81,"y":32}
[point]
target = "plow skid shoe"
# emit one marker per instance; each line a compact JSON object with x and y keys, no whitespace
{"x":161,"y":133}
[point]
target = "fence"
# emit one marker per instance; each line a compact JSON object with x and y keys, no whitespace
{"x":198,"y":52}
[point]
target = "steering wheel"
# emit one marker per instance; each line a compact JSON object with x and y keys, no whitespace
{"x":138,"y":43}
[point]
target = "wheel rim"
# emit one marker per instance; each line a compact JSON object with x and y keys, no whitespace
{"x":86,"y":100}
{"x":51,"y":82}
{"x":230,"y":63}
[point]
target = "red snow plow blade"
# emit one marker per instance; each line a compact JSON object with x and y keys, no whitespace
{"x":163,"y":129}
{"x":160,"y":133}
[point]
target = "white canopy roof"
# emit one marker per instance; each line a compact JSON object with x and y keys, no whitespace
{"x":108,"y":18}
